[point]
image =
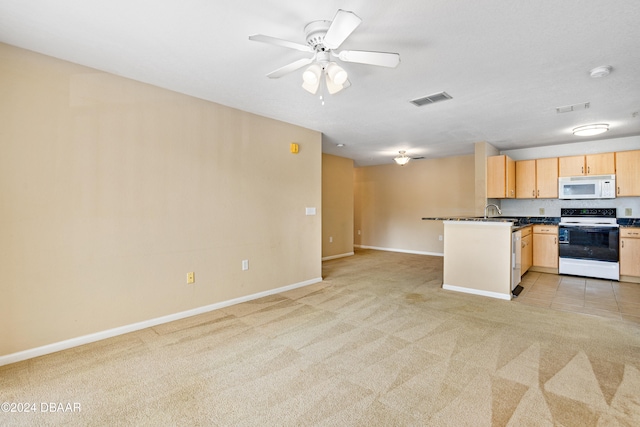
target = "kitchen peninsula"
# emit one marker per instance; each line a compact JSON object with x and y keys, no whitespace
{"x":478,"y":256}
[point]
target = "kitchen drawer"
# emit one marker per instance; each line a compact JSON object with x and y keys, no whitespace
{"x":545,"y":229}
{"x":526,"y":231}
{"x":630,"y":232}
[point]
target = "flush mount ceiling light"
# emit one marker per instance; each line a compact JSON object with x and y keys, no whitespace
{"x":600,"y":71}
{"x":402,"y":159}
{"x":590,"y":130}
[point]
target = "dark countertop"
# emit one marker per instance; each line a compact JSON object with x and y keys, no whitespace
{"x":517,"y":220}
{"x":472,"y":219}
{"x":522,"y":221}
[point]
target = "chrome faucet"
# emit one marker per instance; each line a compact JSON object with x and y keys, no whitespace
{"x":487,"y":207}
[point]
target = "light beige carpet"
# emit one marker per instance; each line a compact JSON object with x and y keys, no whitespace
{"x":377,"y":343}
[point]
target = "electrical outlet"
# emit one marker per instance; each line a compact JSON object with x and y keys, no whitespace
{"x":628,"y":211}
{"x":191,"y":277}
{"x":541,"y":210}
{"x":330,"y":239}
{"x":440,"y":237}
{"x":358,"y":232}
{"x":245,"y":264}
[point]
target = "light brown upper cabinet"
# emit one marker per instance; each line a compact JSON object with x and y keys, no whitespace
{"x":591,"y":164}
{"x":537,"y":178}
{"x":501,"y":177}
{"x":628,"y":173}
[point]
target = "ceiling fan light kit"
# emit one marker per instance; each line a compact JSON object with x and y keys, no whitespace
{"x":598,"y":72}
{"x":402,"y":159}
{"x":311,"y":75}
{"x":590,"y":130}
{"x":336,"y":73}
{"x":322,"y":38}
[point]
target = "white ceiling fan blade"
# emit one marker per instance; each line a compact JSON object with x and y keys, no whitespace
{"x":280,"y":42}
{"x":343,"y":24}
{"x":383,"y":59}
{"x":289,"y":68}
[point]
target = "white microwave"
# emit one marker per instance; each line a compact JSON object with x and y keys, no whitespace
{"x":587,"y":187}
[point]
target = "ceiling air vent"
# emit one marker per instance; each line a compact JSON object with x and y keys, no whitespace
{"x":430,"y":99}
{"x":574,"y":107}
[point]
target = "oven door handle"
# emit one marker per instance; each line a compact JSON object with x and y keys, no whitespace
{"x":574,"y":225}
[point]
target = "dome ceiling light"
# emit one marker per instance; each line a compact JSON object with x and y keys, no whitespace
{"x":591,"y":130}
{"x":598,"y":72}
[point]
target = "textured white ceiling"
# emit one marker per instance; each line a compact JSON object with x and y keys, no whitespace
{"x":507,"y":64}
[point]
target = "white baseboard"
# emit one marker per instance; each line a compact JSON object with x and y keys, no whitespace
{"x":477,"y":292}
{"x":338,"y":256}
{"x":405,"y":251}
{"x":86,"y":339}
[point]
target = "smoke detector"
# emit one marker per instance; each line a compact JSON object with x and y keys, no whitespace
{"x":600,"y":71}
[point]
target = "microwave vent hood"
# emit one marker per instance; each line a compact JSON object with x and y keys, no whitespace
{"x":579,"y":178}
{"x":587,"y":187}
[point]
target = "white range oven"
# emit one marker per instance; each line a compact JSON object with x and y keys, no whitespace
{"x":588,"y":243}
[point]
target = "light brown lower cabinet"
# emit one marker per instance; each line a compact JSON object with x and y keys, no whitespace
{"x":545,"y":246}
{"x":630,"y":252}
{"x":526,"y":255}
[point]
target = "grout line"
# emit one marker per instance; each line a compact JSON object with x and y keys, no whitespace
{"x":551,"y":290}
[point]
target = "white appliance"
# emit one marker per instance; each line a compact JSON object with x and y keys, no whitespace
{"x":587,"y":187}
{"x":588,"y":243}
{"x":516,"y":261}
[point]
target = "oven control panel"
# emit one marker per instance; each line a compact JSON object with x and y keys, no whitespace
{"x":588,"y":212}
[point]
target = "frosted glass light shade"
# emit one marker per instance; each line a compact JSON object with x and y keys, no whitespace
{"x":590,"y":130}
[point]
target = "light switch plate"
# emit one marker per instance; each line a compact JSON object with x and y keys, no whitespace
{"x":310,"y":211}
{"x":628,"y":211}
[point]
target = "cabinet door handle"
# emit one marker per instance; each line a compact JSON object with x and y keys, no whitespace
{"x":533,"y":193}
{"x":622,"y":243}
{"x":618,"y":189}
{"x":538,"y":193}
{"x":555,"y":240}
{"x":588,"y":169}
{"x":582,"y":169}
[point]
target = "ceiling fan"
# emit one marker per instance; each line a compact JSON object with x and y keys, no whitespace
{"x":323,"y":38}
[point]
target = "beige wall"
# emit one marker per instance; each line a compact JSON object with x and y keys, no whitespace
{"x":337,"y":206}
{"x":390,"y":201}
{"x":112,"y":190}
{"x":477,"y":258}
{"x":482,"y":151}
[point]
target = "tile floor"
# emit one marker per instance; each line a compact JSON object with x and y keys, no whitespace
{"x":605,"y":298}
